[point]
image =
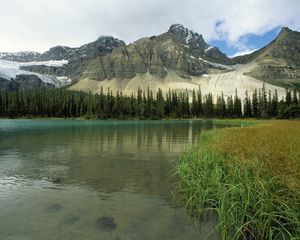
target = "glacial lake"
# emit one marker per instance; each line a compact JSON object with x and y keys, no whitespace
{"x":86,"y":179}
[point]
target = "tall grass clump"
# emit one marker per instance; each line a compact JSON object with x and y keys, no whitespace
{"x":250,"y":177}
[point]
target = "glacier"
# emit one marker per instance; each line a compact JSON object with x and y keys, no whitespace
{"x":9,"y":70}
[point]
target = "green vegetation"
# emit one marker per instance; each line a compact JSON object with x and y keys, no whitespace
{"x":250,"y":177}
{"x":146,"y":105}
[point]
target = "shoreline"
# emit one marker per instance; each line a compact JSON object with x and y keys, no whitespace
{"x":215,"y":120}
{"x":248,"y":176}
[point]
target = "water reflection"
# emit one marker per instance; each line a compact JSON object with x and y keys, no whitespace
{"x":96,"y":177}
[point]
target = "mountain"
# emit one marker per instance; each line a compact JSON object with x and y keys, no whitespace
{"x":279,"y":62}
{"x":58,"y":65}
{"x":102,"y":46}
{"x":77,"y":57}
{"x":179,"y":59}
{"x":25,"y":56}
{"x":23,"y":81}
{"x":179,"y":49}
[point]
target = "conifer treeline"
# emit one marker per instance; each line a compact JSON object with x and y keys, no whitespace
{"x":145,"y":105}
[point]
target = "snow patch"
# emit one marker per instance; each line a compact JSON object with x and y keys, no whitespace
{"x":18,"y":54}
{"x":189,"y":37}
{"x":51,"y":63}
{"x":64,"y":80}
{"x":208,"y":49}
{"x":217,"y":65}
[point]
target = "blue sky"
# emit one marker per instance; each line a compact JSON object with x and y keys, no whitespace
{"x":247,"y":43}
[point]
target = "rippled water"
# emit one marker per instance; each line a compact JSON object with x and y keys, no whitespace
{"x":68,"y":179}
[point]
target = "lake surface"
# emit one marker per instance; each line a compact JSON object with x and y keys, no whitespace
{"x":73,"y":179}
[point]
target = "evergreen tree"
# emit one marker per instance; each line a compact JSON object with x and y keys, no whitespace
{"x":288,"y":98}
{"x":209,"y":106}
{"x":199,"y":103}
{"x":230,"y":108}
{"x":237,"y":105}
{"x":160,"y":104}
{"x":194,"y":108}
{"x":220,"y":107}
{"x":263,"y":103}
{"x":247,"y":106}
{"x":274,"y":105}
{"x":295,"y":98}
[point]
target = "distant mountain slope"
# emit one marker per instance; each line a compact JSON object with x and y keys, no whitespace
{"x":11,"y":71}
{"x":217,"y":83}
{"x":102,"y":46}
{"x":278,"y":62}
{"x":58,"y":65}
{"x":25,"y":56}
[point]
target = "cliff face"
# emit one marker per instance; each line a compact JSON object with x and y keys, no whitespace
{"x":179,"y":49}
{"x":22,"y":82}
{"x":279,"y":62}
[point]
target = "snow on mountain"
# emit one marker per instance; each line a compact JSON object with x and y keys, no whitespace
{"x":217,"y":65}
{"x":9,"y":70}
{"x":208,"y":49}
{"x":51,"y":63}
{"x":24,"y":56}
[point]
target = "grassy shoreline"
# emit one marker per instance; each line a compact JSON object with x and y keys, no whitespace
{"x":250,"y":177}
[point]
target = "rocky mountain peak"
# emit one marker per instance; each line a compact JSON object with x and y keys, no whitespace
{"x":109,"y":40}
{"x":187,"y":37}
{"x":285,"y":30}
{"x":55,"y":53}
{"x":285,"y":33}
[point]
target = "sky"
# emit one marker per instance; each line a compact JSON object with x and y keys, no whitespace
{"x":235,"y":26}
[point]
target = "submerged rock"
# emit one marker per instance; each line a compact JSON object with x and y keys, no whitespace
{"x":70,"y":220}
{"x":106,"y":224}
{"x":57,"y":180}
{"x":54,"y":207}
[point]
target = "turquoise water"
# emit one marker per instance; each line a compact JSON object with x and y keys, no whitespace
{"x":77,"y":179}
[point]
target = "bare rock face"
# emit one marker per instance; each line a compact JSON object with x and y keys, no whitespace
{"x":55,"y":53}
{"x":23,"y":82}
{"x":279,"y":62}
{"x":7,"y":85}
{"x":187,"y":37}
{"x":179,"y":49}
{"x":195,"y":42}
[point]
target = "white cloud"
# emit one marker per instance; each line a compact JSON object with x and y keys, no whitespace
{"x":40,"y":24}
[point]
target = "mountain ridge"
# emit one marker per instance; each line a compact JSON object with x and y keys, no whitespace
{"x":178,"y":51}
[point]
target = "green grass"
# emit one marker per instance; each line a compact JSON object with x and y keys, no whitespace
{"x":238,"y":121}
{"x":250,"y":177}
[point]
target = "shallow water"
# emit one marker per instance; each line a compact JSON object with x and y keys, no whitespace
{"x":69,"y":179}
